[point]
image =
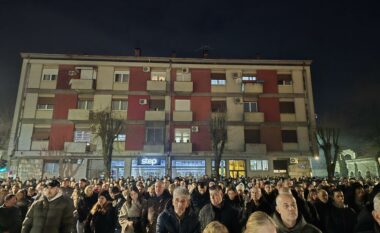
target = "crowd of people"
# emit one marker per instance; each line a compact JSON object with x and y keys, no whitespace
{"x":187,"y":205}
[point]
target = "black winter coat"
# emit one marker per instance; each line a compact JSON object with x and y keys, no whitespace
{"x":199,"y":200}
{"x":85,"y":204}
{"x":250,"y":208}
{"x":10,"y":219}
{"x":168,"y":222}
{"x":340,"y":220}
{"x":102,"y":222}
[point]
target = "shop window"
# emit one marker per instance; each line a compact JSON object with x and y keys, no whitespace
{"x":259,"y":165}
{"x":158,"y":76}
{"x":218,"y":106}
{"x":182,"y":105}
{"x":156,"y":105}
{"x":237,"y":168}
{"x":195,"y":168}
{"x":222,"y":167}
{"x":49,"y":74}
{"x":150,"y":169}
{"x":121,"y":76}
{"x":218,"y":79}
{"x":41,"y":134}
{"x":154,"y":136}
{"x":289,"y":136}
{"x":250,"y":107}
{"x":287,"y":107}
{"x":119,"y":105}
{"x":182,"y":135}
{"x":82,"y":136}
{"x":284,"y":79}
{"x":252,"y":136}
{"x":86,"y":104}
{"x":280,"y":166}
{"x":45,"y":103}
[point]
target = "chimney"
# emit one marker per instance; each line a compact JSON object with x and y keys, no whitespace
{"x":205,"y":52}
{"x":137,"y":52}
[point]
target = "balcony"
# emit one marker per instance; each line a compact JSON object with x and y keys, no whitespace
{"x":75,"y":147}
{"x":119,"y":146}
{"x":182,"y":148}
{"x":182,"y":116}
{"x":254,"y":117}
{"x":78,"y":114}
{"x":253,"y":88}
{"x":285,"y":88}
{"x":40,"y":145}
{"x":81,"y":84}
{"x":120,"y":115}
{"x":290,"y":146}
{"x":156,"y":86}
{"x":256,"y":148}
{"x":183,"y":87}
{"x":44,"y":114}
{"x":286,"y":117}
{"x":154,"y":148}
{"x":155,"y":115}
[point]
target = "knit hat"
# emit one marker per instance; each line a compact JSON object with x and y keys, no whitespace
{"x":53,"y":183}
{"x":105,"y":194}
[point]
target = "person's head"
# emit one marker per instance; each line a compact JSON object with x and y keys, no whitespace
{"x":103,"y":197}
{"x":88,"y":191}
{"x":215,"y":227}
{"x":159,"y":188}
{"x":15,"y":188}
{"x":376,"y":208}
{"x":20,"y":195}
{"x":134,"y":193}
{"x":216,"y":195}
{"x":260,"y":222}
{"x":255,"y":194}
{"x":323,"y":195}
{"x":82,"y":183}
{"x":202,"y":187}
{"x":151,"y":191}
{"x":10,"y":200}
{"x":171,"y":188}
{"x":286,"y":206}
{"x":181,"y":200}
{"x":52,"y":188}
{"x":313,"y":195}
{"x":115,"y":191}
{"x":359,"y":192}
{"x":66,"y":182}
{"x":268,"y":188}
{"x":231,"y":193}
{"x":240,"y":189}
{"x":338,"y":198}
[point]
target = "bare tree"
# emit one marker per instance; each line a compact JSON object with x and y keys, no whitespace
{"x":328,"y":141}
{"x":218,"y":133}
{"x":107,"y":129}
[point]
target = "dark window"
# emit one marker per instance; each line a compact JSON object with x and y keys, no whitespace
{"x":284,"y":79}
{"x":40,"y":134}
{"x":289,"y":136}
{"x":252,"y":136}
{"x":280,"y":166}
{"x":154,"y":136}
{"x":287,"y":107}
{"x":218,"y":106}
{"x":157,"y":105}
{"x":218,"y":76}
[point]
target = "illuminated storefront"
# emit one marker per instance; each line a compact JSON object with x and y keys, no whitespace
{"x":148,"y":166}
{"x":195,"y":168}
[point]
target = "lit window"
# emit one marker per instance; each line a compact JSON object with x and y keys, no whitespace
{"x":119,"y":105}
{"x":82,"y":136}
{"x":121,"y":76}
{"x":158,"y":76}
{"x":49,"y":74}
{"x":218,"y":79}
{"x":248,"y":78}
{"x":85,"y":104}
{"x":259,"y":165}
{"x":182,"y":135}
{"x":250,"y":106}
{"x":120,"y":138}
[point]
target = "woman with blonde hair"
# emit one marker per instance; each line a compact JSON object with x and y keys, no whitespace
{"x":215,"y":227}
{"x":260,"y":222}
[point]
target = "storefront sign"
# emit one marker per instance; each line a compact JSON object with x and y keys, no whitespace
{"x":148,"y":161}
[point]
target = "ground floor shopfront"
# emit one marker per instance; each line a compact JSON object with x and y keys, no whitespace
{"x":159,"y":166}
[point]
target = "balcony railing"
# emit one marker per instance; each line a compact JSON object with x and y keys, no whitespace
{"x":254,"y":117}
{"x":156,"y":86}
{"x":183,"y":87}
{"x":256,"y":148}
{"x":182,"y":148}
{"x":81,"y":84}
{"x":154,"y":148}
{"x":182,"y":116}
{"x":78,"y":114}
{"x":254,"y":88}
{"x":155,"y":115}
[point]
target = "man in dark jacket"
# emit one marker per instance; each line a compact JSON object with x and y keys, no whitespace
{"x":53,"y":213}
{"x":257,"y":203}
{"x":118,"y":201}
{"x":200,"y":197}
{"x":220,"y":211}
{"x":10,"y":215}
{"x":180,"y":218}
{"x":375,"y":218}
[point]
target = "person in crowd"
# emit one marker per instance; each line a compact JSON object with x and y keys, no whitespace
{"x":200,"y":197}
{"x":233,"y":199}
{"x":86,"y":201}
{"x":357,"y":197}
{"x":311,"y":200}
{"x":67,"y":190}
{"x":102,"y":217}
{"x":131,"y":212}
{"x":287,"y":218}
{"x":256,"y":203}
{"x":375,"y":226}
{"x":118,"y":202}
{"x":322,"y":206}
{"x":52,"y":213}
{"x":22,"y":202}
{"x":10,"y":215}
{"x":260,"y":222}
{"x":340,"y":217}
{"x":215,"y":227}
{"x":220,"y":211}
{"x":180,"y":217}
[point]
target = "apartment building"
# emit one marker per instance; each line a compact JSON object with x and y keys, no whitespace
{"x":167,"y":104}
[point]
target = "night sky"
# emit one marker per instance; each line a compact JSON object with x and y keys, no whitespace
{"x":342,"y":38}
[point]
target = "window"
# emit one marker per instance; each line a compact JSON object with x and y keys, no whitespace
{"x":85,"y":104}
{"x":45,"y":103}
{"x":120,"y":138}
{"x":248,"y":78}
{"x":287,"y":107}
{"x":49,"y":74}
{"x":218,"y":79}
{"x":218,"y":106}
{"x":280,"y":166}
{"x":41,"y":134}
{"x":252,"y":136}
{"x":121,"y":76}
{"x":289,"y":136}
{"x":82,"y":136}
{"x":284,"y":79}
{"x":183,"y":77}
{"x":87,"y":72}
{"x":182,"y":135}
{"x":250,"y":106}
{"x":156,"y":105}
{"x":154,"y":136}
{"x":182,"y":105}
{"x":51,"y":167}
{"x":259,"y":165}
{"x":119,"y":105}
{"x":158,"y":76}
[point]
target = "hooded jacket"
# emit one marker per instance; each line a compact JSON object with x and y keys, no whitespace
{"x":300,"y":226}
{"x":168,"y":222}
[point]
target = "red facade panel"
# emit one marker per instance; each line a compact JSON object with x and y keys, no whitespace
{"x":201,"y":80}
{"x":62,"y":104}
{"x":65,"y":74}
{"x":270,"y":106}
{"x":136,"y":111}
{"x":201,"y":107}
{"x":59,"y":134}
{"x":270,"y":80}
{"x":201,"y":140}
{"x":271,"y":136}
{"x":135,"y":137}
{"x":138,"y":79}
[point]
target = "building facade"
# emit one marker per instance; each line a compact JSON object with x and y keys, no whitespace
{"x":167,"y":104}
